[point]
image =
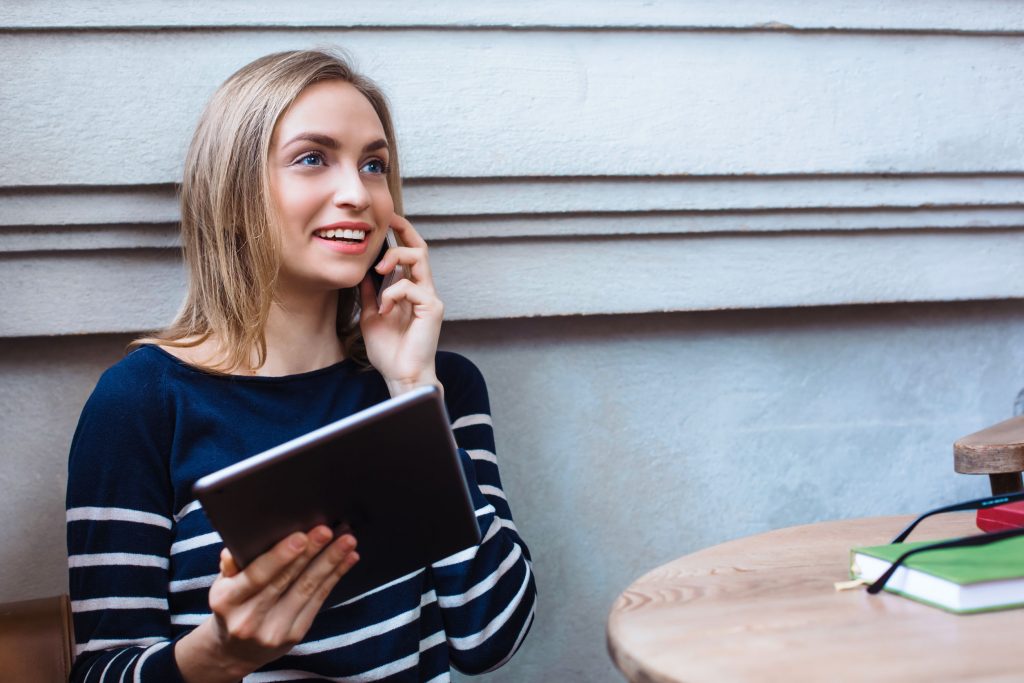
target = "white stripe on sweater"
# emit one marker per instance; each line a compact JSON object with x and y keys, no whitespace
{"x":432,"y":641}
{"x":471,"y":420}
{"x":182,"y":585}
{"x":125,"y":668}
{"x":100,"y":644}
{"x":188,"y":619}
{"x":460,"y":599}
{"x":129,"y":559}
{"x":100,"y":514}
{"x":389,"y":669}
{"x":95,"y":604}
{"x":142,"y":660}
{"x":283,"y":675}
{"x":103,"y":674}
{"x":489,"y":490}
{"x":191,"y":507}
{"x":474,"y":640}
{"x":383,"y":586}
{"x":384,"y":671}
{"x":481,"y":454}
{"x":519,"y":639}
{"x":195,"y":542}
{"x":371,"y":631}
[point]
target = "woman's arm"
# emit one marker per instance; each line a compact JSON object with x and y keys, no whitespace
{"x":487,"y":594}
{"x":119,"y":522}
{"x":119,"y":544}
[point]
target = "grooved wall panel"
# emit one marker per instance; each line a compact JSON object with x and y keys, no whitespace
{"x":572,"y":143}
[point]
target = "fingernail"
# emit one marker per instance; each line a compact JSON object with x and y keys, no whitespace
{"x":297,"y":542}
{"x":321,"y":535}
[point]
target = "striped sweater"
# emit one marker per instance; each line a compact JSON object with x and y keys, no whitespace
{"x":142,"y":554}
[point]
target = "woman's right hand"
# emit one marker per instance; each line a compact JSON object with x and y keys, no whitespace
{"x":261,"y":612}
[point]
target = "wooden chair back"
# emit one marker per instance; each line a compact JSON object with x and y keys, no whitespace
{"x":37,"y":641}
{"x":997,"y":451}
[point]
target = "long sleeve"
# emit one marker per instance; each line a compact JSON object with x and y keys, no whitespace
{"x":487,"y":593}
{"x":119,"y":530}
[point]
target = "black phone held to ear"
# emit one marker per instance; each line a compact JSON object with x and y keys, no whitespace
{"x":382,"y":282}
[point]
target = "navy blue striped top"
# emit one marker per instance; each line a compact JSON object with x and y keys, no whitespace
{"x":142,"y":554}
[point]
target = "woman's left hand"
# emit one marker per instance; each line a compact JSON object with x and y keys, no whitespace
{"x":401,"y":336}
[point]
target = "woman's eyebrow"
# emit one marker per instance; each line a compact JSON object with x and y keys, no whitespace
{"x":330,"y":143}
{"x":316,"y":138}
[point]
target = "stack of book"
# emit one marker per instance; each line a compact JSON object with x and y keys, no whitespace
{"x":960,"y":580}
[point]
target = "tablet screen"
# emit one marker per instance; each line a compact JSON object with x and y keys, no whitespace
{"x":391,"y":473}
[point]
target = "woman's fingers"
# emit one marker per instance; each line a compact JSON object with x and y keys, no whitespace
{"x":309,"y":610}
{"x":416,"y":294}
{"x":228,"y":566}
{"x":407,"y":234}
{"x":307,"y":594}
{"x":414,"y":259}
{"x":271,"y":573}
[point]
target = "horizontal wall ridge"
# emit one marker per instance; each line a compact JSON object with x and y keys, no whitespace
{"x":1001,"y":16}
{"x":763,"y":28}
{"x":537,"y":199}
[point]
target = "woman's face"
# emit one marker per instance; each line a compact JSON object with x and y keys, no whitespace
{"x":328,"y":164}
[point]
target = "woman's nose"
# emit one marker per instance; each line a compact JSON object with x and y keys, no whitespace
{"x":350,"y":191}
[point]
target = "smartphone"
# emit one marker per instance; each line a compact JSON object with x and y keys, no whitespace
{"x":382,"y":282}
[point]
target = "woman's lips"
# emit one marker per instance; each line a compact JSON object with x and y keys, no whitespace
{"x":344,"y":237}
{"x":343,"y":247}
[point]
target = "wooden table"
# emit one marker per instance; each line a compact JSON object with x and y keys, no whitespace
{"x":764,"y":608}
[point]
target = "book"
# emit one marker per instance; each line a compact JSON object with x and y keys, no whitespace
{"x":1001,"y":517}
{"x":958,"y":580}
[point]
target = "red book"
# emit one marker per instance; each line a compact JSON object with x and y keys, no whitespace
{"x":1009,"y":516}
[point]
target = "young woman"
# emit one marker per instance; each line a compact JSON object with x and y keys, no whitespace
{"x":290,"y":184}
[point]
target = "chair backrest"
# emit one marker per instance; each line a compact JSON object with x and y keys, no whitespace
{"x":997,"y":451}
{"x":37,"y":642}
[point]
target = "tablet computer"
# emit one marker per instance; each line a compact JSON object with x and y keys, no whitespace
{"x":391,"y":473}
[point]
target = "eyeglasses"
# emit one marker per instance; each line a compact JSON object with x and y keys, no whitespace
{"x":967,"y":541}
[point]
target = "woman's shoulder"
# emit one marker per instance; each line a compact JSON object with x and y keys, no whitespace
{"x":134,"y":381}
{"x":140,"y":367}
{"x":129,"y":405}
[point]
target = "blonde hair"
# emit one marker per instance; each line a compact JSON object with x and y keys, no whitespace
{"x":230,"y":243}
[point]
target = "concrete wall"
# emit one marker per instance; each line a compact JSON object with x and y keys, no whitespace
{"x":598,"y":183}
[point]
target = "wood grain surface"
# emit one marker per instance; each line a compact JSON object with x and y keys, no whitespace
{"x":995,"y":449}
{"x":764,"y":608}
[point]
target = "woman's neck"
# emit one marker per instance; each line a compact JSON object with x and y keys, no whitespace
{"x":302,"y":335}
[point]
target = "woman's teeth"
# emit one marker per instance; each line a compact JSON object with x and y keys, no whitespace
{"x":351,"y":235}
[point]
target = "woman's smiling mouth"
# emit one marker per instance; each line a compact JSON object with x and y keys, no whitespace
{"x":350,"y":235}
{"x":344,"y":238}
{"x":348,"y":232}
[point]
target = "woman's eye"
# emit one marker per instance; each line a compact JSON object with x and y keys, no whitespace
{"x":310,"y":159}
{"x":375,"y":166}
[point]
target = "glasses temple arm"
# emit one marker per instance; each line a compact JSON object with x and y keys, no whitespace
{"x":983,"y":539}
{"x":977,"y":503}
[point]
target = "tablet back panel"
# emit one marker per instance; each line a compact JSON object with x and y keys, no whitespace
{"x":391,"y":473}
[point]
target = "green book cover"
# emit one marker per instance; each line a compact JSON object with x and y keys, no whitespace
{"x":967,"y":579}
